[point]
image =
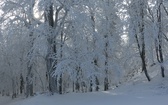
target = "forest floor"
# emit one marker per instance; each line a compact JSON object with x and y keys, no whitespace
{"x":134,"y":93}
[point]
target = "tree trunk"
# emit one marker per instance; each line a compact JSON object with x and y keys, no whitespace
{"x":144,"y":68}
{"x":29,"y":82}
{"x":91,"y":86}
{"x":106,"y":86}
{"x":60,"y":84}
{"x":21,"y":84}
{"x":159,"y":49}
{"x":51,"y":50}
{"x":97,"y":84}
{"x":141,"y":39}
{"x":106,"y":81}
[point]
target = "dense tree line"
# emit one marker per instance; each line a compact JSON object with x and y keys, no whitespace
{"x":61,"y":46}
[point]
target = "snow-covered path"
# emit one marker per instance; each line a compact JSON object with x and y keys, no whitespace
{"x":5,"y":100}
{"x":147,"y":93}
{"x":101,"y":98}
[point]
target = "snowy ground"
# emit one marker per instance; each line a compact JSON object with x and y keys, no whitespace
{"x":142,"y":93}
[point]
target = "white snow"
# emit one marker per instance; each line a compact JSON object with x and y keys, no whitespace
{"x":137,"y":93}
